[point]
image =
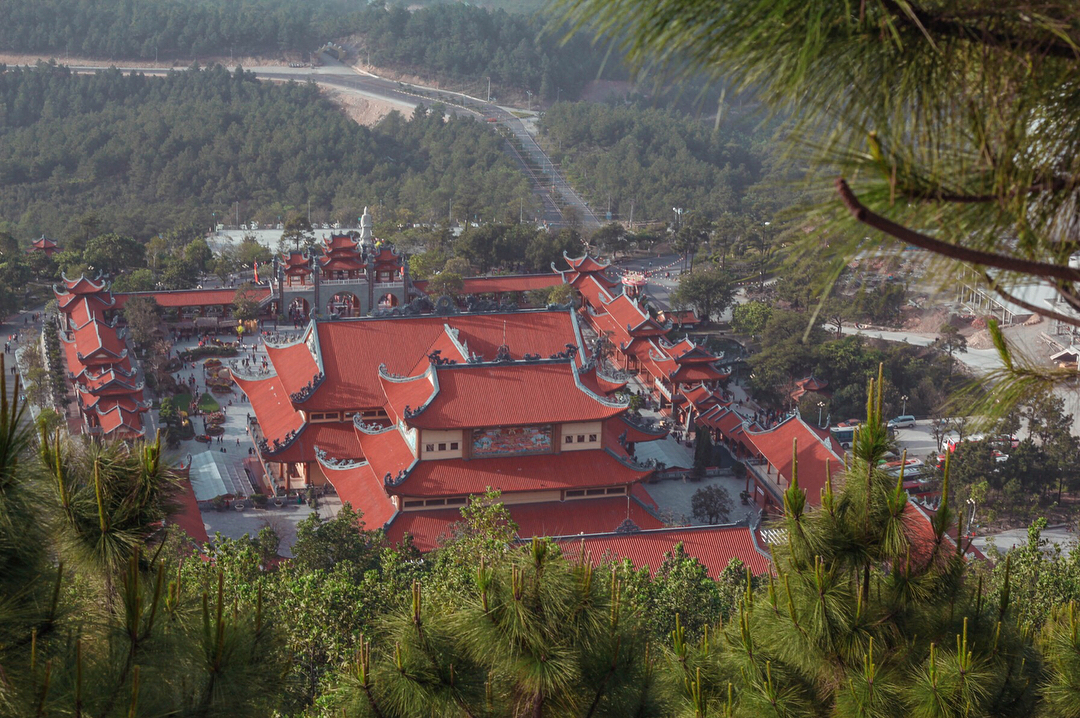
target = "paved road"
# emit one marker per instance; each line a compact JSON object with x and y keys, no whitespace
{"x":551,"y":188}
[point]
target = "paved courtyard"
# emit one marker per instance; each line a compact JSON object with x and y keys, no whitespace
{"x":218,"y":467}
{"x":674,"y":496}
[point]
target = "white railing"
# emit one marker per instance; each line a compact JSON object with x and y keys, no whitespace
{"x":341,"y":282}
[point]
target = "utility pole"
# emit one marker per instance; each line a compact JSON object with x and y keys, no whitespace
{"x":309,"y":211}
{"x":529,"y":93}
{"x":521,"y":210}
{"x":238,"y":214}
{"x":632,"y":215}
{"x":489,"y":88}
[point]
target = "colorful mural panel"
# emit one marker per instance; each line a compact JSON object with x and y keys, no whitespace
{"x":511,"y":440}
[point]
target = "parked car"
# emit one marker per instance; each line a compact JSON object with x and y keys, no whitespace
{"x":905,"y":421}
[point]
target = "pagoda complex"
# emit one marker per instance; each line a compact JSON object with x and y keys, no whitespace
{"x":103,"y":377}
{"x":409,"y":416}
{"x":636,"y":338}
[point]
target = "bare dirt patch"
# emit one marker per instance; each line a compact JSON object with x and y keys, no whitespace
{"x":363,"y":110}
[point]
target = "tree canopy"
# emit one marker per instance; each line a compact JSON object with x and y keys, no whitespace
{"x":141,"y":155}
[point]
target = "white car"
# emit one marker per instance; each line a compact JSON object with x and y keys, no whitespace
{"x":906,"y":421}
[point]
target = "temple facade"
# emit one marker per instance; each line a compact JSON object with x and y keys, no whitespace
{"x":104,"y":379}
{"x":346,"y":277}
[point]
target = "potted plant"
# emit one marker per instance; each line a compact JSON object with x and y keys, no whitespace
{"x":259,"y":500}
{"x":218,"y":502}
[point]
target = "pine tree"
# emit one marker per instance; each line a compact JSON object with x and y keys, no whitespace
{"x":873,"y":611}
{"x":540,"y":636}
{"x":91,"y":621}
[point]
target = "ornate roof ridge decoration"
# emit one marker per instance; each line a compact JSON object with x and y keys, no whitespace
{"x":114,"y":369}
{"x":628,"y":527}
{"x":574,"y":261}
{"x":577,"y":329}
{"x":629,"y":463}
{"x":119,"y":356}
{"x":619,"y":377}
{"x":109,"y":324}
{"x":454,"y":333}
{"x":311,"y":338}
{"x":279,"y":445}
{"x":613,"y":403}
{"x":437,"y":359}
{"x":569,"y":352}
{"x":475,"y":305}
{"x":660,"y":357}
{"x":389,"y":479}
{"x":402,"y":378}
{"x":305,"y":392}
{"x":93,"y":281}
{"x":370,"y":429}
{"x":337,"y":464}
{"x":251,"y":373}
{"x":282,"y":340}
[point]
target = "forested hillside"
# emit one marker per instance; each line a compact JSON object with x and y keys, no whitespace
{"x":454,"y":41}
{"x":148,"y":154}
{"x":167,"y":28}
{"x":661,"y":159}
{"x":462,"y":41}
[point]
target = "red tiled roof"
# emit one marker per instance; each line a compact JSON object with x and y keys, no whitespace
{"x":713,"y":546}
{"x":353,"y":350}
{"x":566,"y":470}
{"x":82,"y":285}
{"x":723,"y":419}
{"x":187,"y":515}
{"x":627,"y":313}
{"x":98,"y":337}
{"x":342,"y":264}
{"x":337,"y":439}
{"x":386,"y":256}
{"x":511,"y":394}
{"x":44,"y":243}
{"x":411,"y":393}
{"x":103,"y":403}
{"x":686,"y":318}
{"x":117,"y":418}
{"x":339,"y":242}
{"x":270,"y":403}
{"x":814,"y":452}
{"x":581,"y":516}
{"x":548,"y":518}
{"x":510,"y":283}
{"x":598,"y":384}
{"x":359,"y":487}
{"x":698,"y":372}
{"x":639,"y":492}
{"x":193,"y":297}
{"x":386,"y":451}
{"x":294,"y":364}
{"x":585,"y":264}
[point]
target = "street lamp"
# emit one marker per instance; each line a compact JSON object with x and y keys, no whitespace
{"x":529,"y":93}
{"x":820,"y":406}
{"x":904,"y":400}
